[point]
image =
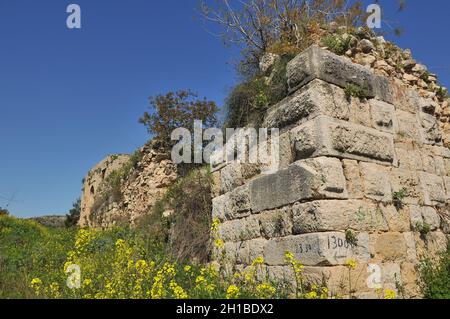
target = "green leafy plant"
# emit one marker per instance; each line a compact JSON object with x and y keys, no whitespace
{"x":337,"y":43}
{"x":351,"y":238}
{"x":435,"y":276}
{"x":358,"y":91}
{"x":399,"y":197}
{"x":422,"y":228}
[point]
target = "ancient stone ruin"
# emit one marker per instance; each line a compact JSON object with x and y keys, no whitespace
{"x":360,"y":178}
{"x":363,"y":176}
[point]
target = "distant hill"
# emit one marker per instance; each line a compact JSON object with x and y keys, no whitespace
{"x":54,"y":221}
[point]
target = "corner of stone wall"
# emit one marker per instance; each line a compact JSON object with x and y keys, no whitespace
{"x":374,"y":167}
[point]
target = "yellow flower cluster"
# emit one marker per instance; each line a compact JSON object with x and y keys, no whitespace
{"x":233,"y":292}
{"x":351,"y":264}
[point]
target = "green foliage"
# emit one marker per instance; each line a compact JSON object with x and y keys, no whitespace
{"x":399,"y":197}
{"x":337,"y":43}
{"x":248,"y":101}
{"x":351,"y":238}
{"x":442,"y":93}
{"x":29,"y":250}
{"x":74,"y":214}
{"x":4,"y":212}
{"x":435,"y":276}
{"x":177,"y":110}
{"x":184,"y":232}
{"x":422,"y":228}
{"x":358,"y":91}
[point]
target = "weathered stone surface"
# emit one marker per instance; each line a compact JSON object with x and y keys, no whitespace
{"x":424,"y":215}
{"x":316,"y":63}
{"x":408,"y":126}
{"x":376,"y":182}
{"x":391,"y":276}
{"x":383,"y":116}
{"x":316,"y":98}
{"x":240,"y":229}
{"x":319,"y":249}
{"x":433,"y":189}
{"x":408,"y":156}
{"x":308,"y":179}
{"x":398,"y":220}
{"x":411,"y":251}
{"x":276,"y":223}
{"x":232,"y":205}
{"x":325,"y":136}
{"x":409,"y":181}
{"x":332,"y":215}
{"x":354,"y":181}
{"x":391,"y":246}
{"x":231,"y":177}
{"x":430,"y":129}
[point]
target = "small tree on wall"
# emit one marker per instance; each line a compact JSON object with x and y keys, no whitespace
{"x":177,"y":109}
{"x":3,"y":212}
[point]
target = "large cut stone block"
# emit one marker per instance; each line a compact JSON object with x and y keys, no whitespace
{"x":325,"y":136}
{"x":232,"y":205}
{"x":333,"y":215}
{"x":317,"y":63}
{"x":316,"y":98}
{"x":240,"y":229}
{"x":317,"y":178}
{"x":433,"y":189}
{"x":318,"y":249}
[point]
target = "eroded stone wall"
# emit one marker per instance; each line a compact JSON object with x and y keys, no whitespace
{"x":139,"y":191}
{"x":376,"y":168}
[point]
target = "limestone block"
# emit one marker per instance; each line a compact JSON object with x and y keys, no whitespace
{"x":391,"y":246}
{"x":231,"y":177}
{"x":335,"y":215}
{"x":397,"y":220}
{"x":240,"y":229}
{"x":248,"y":251}
{"x":316,"y":98}
{"x":232,"y":205}
{"x":431,"y":218}
{"x":216,"y":184}
{"x":408,"y":180}
{"x":384,"y":117}
{"x":408,"y":126}
{"x":360,"y":112}
{"x":317,"y":63}
{"x":447,"y":187}
{"x":433,"y":189}
{"x":430,"y":130}
{"x":354,"y":182}
{"x":325,"y":136}
{"x":317,"y":249}
{"x":376,"y":182}
{"x":411,"y":251}
{"x":309,"y":179}
{"x":391,"y":275}
{"x":277,"y":223}
{"x":409,"y":158}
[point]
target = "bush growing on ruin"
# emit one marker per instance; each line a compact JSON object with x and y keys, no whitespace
{"x":435,"y":276}
{"x":4,"y":212}
{"x":177,"y":109}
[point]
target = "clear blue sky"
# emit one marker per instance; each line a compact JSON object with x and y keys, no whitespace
{"x":70,"y":97}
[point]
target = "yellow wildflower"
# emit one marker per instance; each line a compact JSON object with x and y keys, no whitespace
{"x":351,"y":264}
{"x":187,"y":268}
{"x":233,"y":292}
{"x":258,"y":261}
{"x":178,"y":291}
{"x":390,"y":294}
{"x":215,"y":225}
{"x":265,"y":291}
{"x":218,"y":243}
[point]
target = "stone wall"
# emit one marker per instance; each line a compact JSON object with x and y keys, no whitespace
{"x":376,"y":168}
{"x":139,"y":191}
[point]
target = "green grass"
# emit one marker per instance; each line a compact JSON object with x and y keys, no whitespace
{"x":29,"y":250}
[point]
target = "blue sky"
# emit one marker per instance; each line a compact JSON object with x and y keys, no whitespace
{"x":70,"y":97}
